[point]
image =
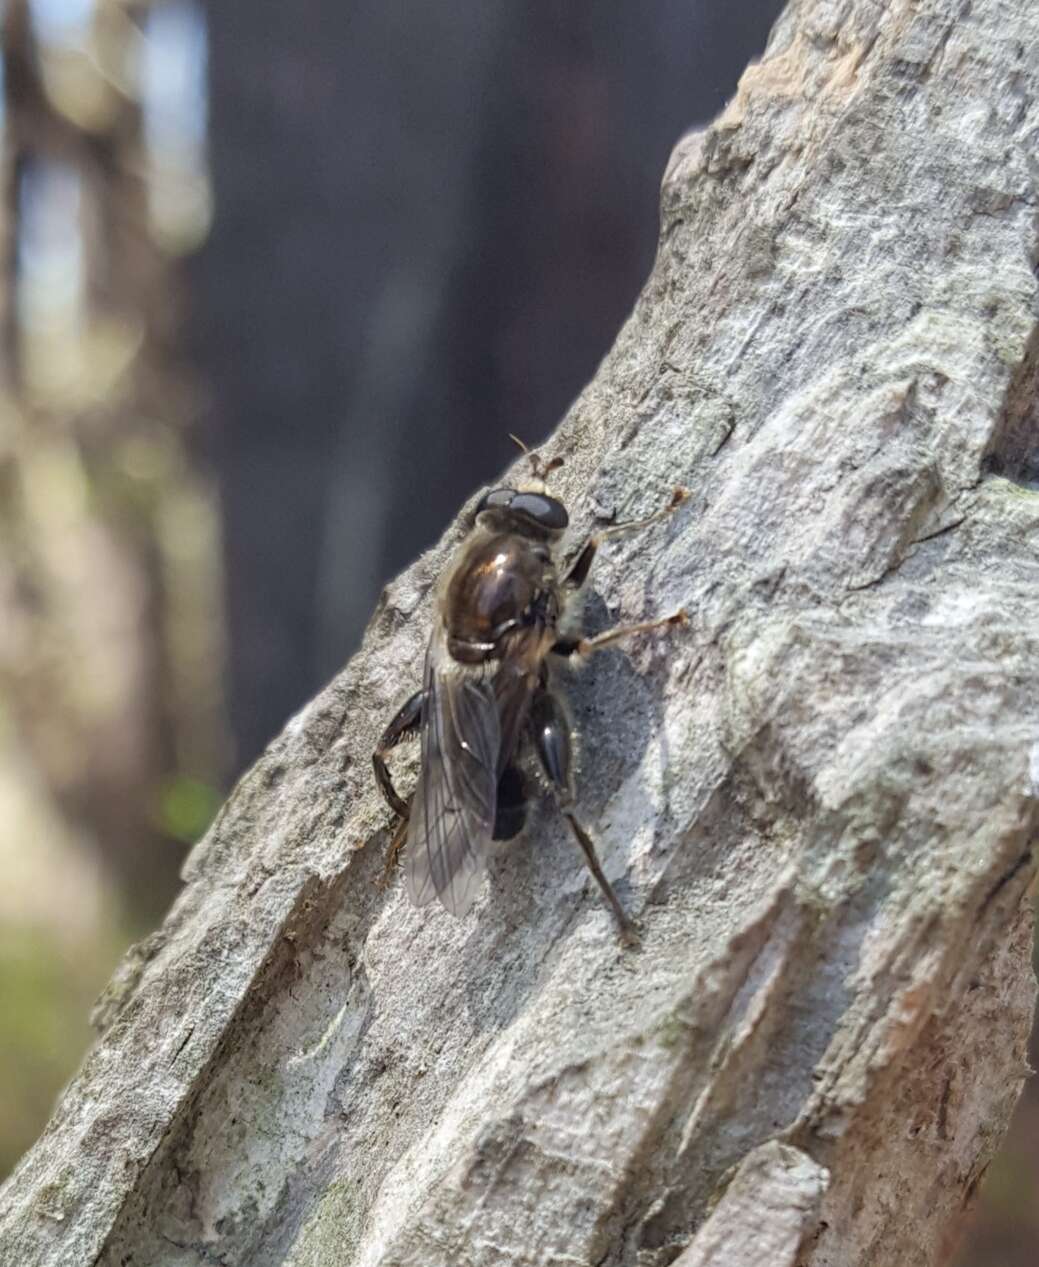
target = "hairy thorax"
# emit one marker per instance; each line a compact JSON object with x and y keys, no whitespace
{"x":500,"y":584}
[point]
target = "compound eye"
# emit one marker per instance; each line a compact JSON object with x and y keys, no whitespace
{"x":496,"y":499}
{"x":542,"y":510}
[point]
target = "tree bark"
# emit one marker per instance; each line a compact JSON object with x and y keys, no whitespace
{"x":818,"y":800}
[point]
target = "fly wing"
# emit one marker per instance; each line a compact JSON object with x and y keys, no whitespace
{"x":515,"y":682}
{"x":452,"y":810}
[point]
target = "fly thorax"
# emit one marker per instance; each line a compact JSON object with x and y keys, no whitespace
{"x":494,"y":589}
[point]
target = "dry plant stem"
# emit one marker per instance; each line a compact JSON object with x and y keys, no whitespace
{"x":818,"y":799}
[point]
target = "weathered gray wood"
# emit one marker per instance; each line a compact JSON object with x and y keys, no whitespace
{"x":819,"y":801}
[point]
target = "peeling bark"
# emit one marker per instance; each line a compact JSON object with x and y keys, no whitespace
{"x":820,"y":802}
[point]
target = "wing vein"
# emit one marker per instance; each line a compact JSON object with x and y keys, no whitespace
{"x":454,"y":805}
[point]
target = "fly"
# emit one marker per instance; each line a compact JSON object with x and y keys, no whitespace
{"x":488,"y":693}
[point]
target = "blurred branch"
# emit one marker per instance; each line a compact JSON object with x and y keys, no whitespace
{"x":820,"y":805}
{"x":109,"y":589}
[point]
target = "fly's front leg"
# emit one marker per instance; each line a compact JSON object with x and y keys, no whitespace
{"x":552,"y":741}
{"x":405,"y":722}
{"x":579,"y":569}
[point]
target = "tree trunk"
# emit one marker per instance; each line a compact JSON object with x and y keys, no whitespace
{"x":818,"y":800}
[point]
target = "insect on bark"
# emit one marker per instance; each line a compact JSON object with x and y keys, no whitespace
{"x":489,"y":692}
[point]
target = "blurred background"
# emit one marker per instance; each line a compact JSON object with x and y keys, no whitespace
{"x":279,"y":278}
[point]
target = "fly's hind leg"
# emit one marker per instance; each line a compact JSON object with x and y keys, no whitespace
{"x":552,"y":740}
{"x":400,"y":834}
{"x":405,"y":722}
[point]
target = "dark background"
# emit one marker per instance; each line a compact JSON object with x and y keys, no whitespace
{"x":431,"y":223}
{"x":280,"y":280}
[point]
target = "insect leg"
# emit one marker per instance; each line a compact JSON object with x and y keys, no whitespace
{"x":405,"y":722}
{"x":552,"y":741}
{"x":579,"y":569}
{"x":393,"y":852}
{"x":586,"y":646}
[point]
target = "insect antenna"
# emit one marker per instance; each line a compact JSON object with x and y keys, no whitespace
{"x":541,"y":470}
